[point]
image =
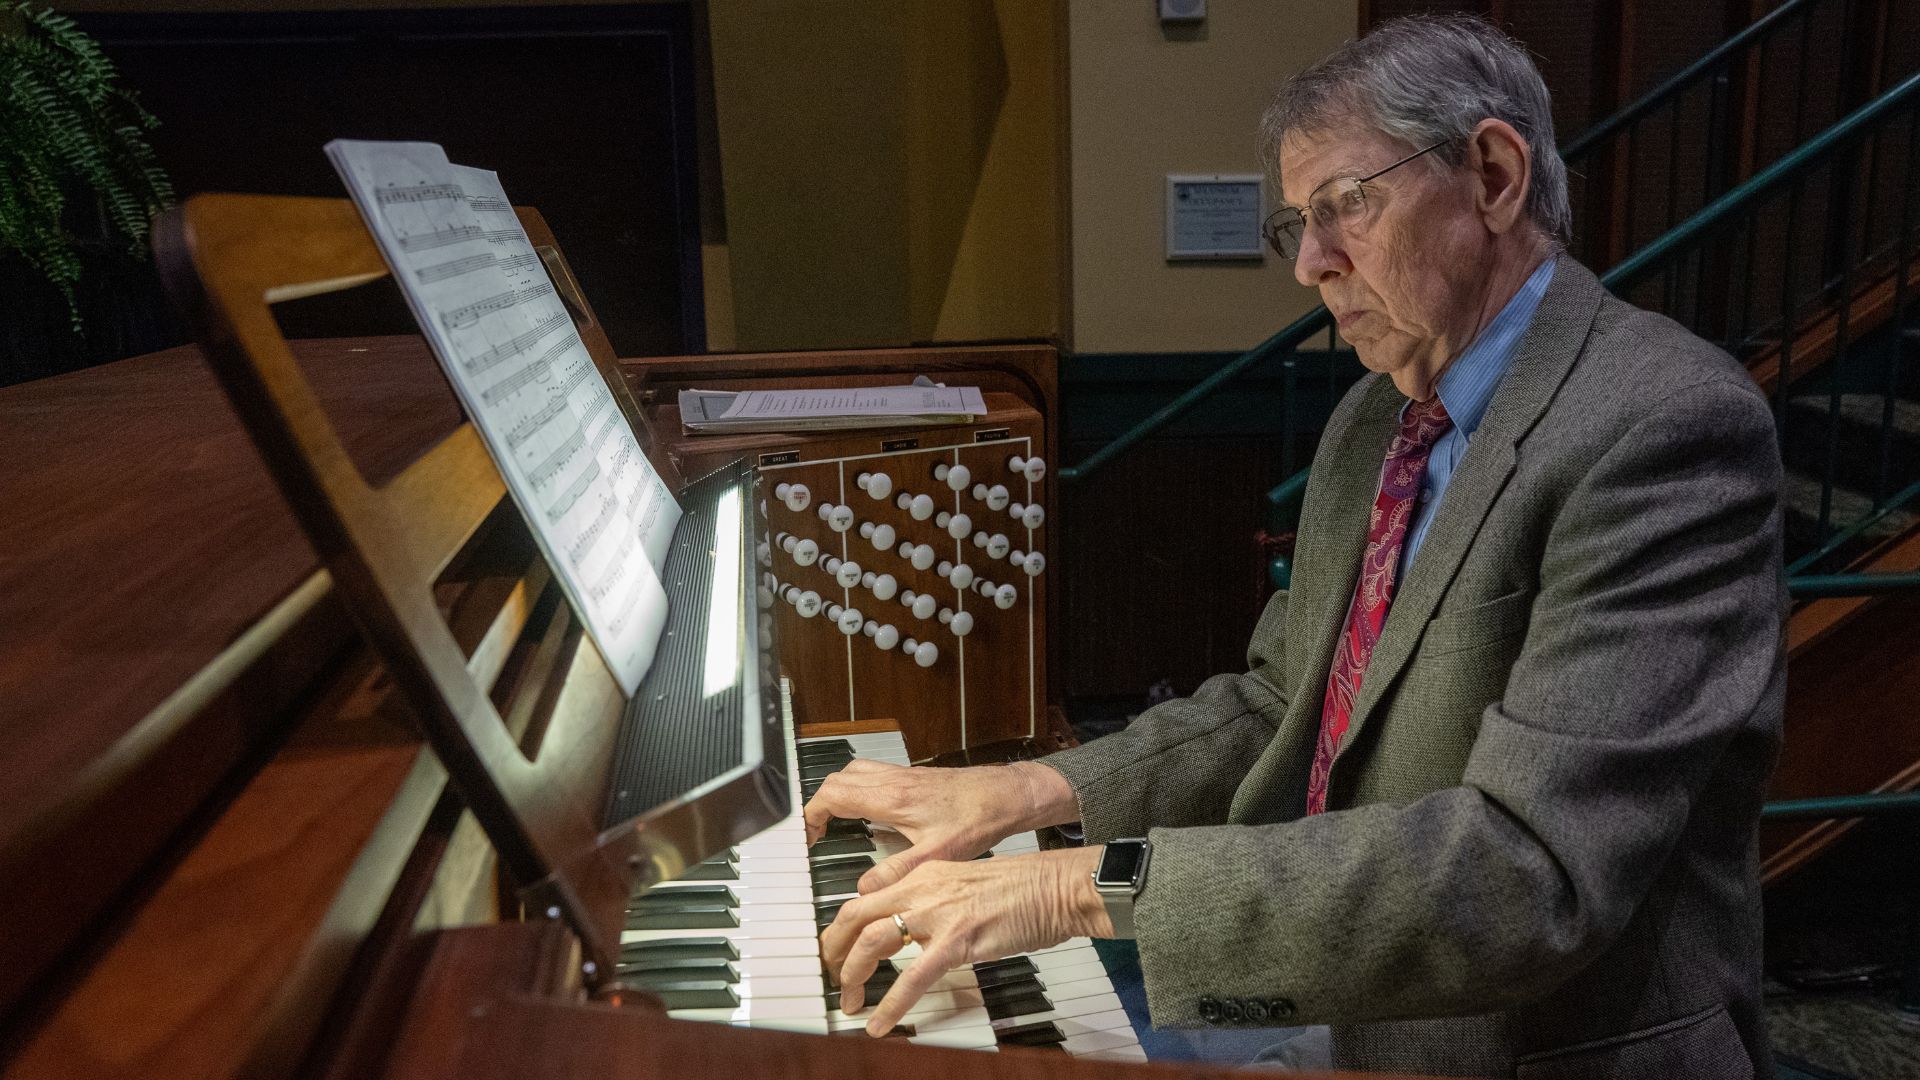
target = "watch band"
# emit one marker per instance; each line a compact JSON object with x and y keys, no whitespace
{"x":1120,"y":910}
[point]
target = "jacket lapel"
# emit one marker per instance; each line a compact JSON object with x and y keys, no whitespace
{"x":1545,"y":354}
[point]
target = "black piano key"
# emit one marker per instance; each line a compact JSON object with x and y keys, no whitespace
{"x":824,"y":746}
{"x":697,"y":994}
{"x":876,"y":987}
{"x":1039,"y":1033}
{"x":839,"y":866}
{"x":1002,"y":977}
{"x":1008,"y":963}
{"x":844,"y":845}
{"x":815,"y":771}
{"x":834,"y":886}
{"x":823,"y":914}
{"x":679,"y":971}
{"x":841,"y":826}
{"x":690,"y":917}
{"x":1002,"y":1005}
{"x":700,"y":948}
{"x":692,"y":895}
{"x":711,"y":871}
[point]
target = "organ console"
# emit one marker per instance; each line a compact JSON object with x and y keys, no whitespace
{"x":389,"y":815}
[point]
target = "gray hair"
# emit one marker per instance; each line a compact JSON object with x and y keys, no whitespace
{"x":1426,"y":79}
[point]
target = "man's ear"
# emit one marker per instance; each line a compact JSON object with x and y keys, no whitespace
{"x":1501,"y":165}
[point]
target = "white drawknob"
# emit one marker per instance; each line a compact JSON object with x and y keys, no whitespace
{"x":962,"y":623}
{"x":808,"y":605}
{"x":979,"y":493}
{"x":998,"y":496}
{"x":1035,"y":563}
{"x":887,"y":636}
{"x":763,"y":552}
{"x":925,"y":653}
{"x":924,"y":606}
{"x":831,"y":564}
{"x":957,"y":477}
{"x":921,"y":508}
{"x":962,"y":576}
{"x":787,"y":542}
{"x":834,"y":611}
{"x":960,"y":526}
{"x":942,"y":519}
{"x":764,"y":596}
{"x":796,"y":496}
{"x":866,"y":528}
{"x":923,"y":556}
{"x":1035,"y":471}
{"x":766,"y":628}
{"x":805,"y":552}
{"x":870,"y":629}
{"x":903,"y":500}
{"x":907,"y":597}
{"x":1033,"y":516}
{"x":998,"y":545}
{"x":850,"y":621}
{"x":878,"y":484}
{"x":882,"y":536}
{"x":941,"y":470}
{"x":848,"y":574}
{"x":1004,"y":596}
{"x":984,"y":588}
{"x":840,"y":518}
{"x":946,"y":615}
{"x":884,"y":586}
{"x":906,"y":549}
{"x":980,"y":539}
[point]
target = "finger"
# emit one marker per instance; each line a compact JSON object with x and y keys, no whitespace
{"x":908,"y":988}
{"x":878,"y":941}
{"x":890,"y":870}
{"x":848,"y":793}
{"x":853,"y":918}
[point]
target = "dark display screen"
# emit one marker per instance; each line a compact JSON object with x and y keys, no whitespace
{"x":1120,"y":863}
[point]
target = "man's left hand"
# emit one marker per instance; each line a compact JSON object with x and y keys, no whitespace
{"x":961,"y":913}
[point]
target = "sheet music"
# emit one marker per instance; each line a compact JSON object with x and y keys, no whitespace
{"x":602,"y":516}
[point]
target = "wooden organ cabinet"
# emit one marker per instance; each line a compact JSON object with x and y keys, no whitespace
{"x":311,"y":772}
{"x":904,"y":571}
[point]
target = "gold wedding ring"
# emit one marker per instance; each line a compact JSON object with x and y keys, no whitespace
{"x":900,"y":924}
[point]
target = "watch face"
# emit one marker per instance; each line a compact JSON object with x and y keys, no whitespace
{"x":1121,"y":863}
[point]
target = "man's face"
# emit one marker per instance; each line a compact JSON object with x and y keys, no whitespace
{"x":1401,"y":279}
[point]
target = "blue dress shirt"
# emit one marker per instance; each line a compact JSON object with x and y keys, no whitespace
{"x":1465,"y":388}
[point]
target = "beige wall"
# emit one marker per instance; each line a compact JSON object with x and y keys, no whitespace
{"x":891,"y":171}
{"x":1146,"y":102}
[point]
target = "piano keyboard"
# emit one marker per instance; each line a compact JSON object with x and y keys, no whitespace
{"x":736,"y":941}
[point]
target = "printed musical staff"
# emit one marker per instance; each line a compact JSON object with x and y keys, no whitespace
{"x":395,"y":196}
{"x":501,"y":236}
{"x":574,"y":490}
{"x":542,"y":474}
{"x":452,"y":268}
{"x":479,"y":363}
{"x":524,"y":430}
{"x":488,"y":204}
{"x":438,"y":238}
{"x":474,"y":312}
{"x":590,"y":535}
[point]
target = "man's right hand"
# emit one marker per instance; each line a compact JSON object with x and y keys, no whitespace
{"x":952,"y":814}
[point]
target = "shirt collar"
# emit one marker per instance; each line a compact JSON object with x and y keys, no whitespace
{"x":1467,"y":386}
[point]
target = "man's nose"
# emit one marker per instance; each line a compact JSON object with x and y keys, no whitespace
{"x":1319,"y":259}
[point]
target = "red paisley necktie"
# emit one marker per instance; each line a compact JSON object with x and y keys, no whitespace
{"x":1406,"y":465}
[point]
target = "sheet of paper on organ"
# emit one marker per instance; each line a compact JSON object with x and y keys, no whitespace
{"x":828,"y":408}
{"x":603,"y":517}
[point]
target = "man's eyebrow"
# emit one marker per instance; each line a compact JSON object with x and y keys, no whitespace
{"x":1344,"y":169}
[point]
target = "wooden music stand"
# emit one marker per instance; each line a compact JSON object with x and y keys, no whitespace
{"x":226,"y":259}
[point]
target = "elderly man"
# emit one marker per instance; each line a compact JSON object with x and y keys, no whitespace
{"x":1485,"y":800}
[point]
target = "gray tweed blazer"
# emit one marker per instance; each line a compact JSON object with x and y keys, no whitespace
{"x":1541,"y":857}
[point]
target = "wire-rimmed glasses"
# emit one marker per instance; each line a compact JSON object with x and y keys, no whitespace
{"x":1335,"y":204}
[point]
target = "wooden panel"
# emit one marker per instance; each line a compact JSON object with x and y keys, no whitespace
{"x":144,"y":538}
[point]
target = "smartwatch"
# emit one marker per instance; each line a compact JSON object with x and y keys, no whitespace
{"x":1122,"y":873}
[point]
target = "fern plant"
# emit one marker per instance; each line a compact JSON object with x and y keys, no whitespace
{"x":72,"y":145}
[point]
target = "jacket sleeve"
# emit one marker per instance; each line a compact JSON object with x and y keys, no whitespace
{"x":1179,"y":762}
{"x":1656,"y":637}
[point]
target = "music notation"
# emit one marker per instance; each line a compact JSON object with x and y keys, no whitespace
{"x":512,"y":298}
{"x":587,"y":478}
{"x":388,"y":196}
{"x":439,"y":238}
{"x":591,"y":534}
{"x":542,"y":474}
{"x":481,"y":362}
{"x":485,"y":302}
